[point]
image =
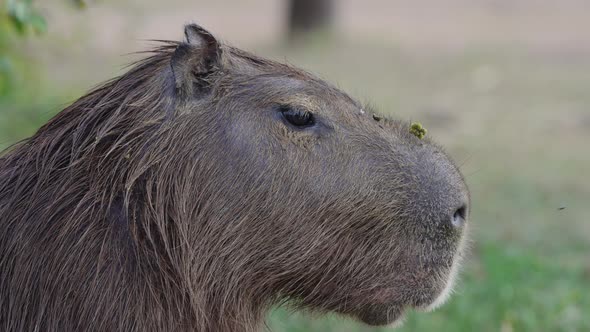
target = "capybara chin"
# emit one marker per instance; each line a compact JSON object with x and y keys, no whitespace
{"x":207,"y":185}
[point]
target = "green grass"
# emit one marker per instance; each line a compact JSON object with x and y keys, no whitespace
{"x":519,"y":126}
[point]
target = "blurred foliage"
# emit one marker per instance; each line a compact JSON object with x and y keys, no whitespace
{"x":19,"y":19}
{"x":24,"y":16}
{"x":23,"y":99}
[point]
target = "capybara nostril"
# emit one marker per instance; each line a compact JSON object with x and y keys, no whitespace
{"x":459,"y":216}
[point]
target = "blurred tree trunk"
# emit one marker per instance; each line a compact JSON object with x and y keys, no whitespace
{"x":308,"y":15}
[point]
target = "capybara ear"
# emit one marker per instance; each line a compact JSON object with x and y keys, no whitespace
{"x":195,"y":60}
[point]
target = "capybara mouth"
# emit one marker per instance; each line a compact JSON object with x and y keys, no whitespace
{"x":392,"y":314}
{"x":380,"y":315}
{"x":447,"y":291}
{"x":424,"y":291}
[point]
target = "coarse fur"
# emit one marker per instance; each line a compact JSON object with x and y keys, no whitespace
{"x":178,"y":197}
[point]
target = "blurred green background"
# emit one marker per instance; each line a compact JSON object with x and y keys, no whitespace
{"x":504,"y":85}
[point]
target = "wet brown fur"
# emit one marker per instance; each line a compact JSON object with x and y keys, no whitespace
{"x":176,"y":198}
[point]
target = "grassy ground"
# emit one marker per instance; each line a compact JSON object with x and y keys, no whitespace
{"x":518,"y":123}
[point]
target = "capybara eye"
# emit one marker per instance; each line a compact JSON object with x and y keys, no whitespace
{"x":296,"y":117}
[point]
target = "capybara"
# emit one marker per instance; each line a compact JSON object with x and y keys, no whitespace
{"x":207,"y":185}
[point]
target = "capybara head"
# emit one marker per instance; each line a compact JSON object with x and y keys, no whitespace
{"x":207,"y":185}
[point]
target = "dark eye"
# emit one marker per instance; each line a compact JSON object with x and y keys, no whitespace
{"x":296,"y":117}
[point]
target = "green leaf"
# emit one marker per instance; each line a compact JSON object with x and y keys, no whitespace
{"x":19,"y":11}
{"x":23,"y":17}
{"x":38,"y":23}
{"x":18,"y":25}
